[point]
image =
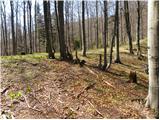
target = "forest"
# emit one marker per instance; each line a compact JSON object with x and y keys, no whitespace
{"x":79,"y":59}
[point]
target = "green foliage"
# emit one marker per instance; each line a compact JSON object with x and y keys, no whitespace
{"x":15,"y":95}
{"x":28,"y":90}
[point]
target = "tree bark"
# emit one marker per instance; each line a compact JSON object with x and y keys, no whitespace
{"x":36,"y":29}
{"x":80,"y":31}
{"x":117,"y":60}
{"x":105,"y":32}
{"x":97,"y":41}
{"x":153,"y":54}
{"x":88,"y":35}
{"x":6,"y":31}
{"x":138,"y":29}
{"x":12,"y":26}
{"x":48,"y":29}
{"x":30,"y":26}
{"x":128,"y":25}
{"x":24,"y":26}
{"x":83,"y":27}
{"x":63,"y":50}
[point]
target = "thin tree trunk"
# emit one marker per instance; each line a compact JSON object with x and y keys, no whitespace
{"x":80,"y":31}
{"x":87,"y":10}
{"x":13,"y":31}
{"x":24,"y":27}
{"x":30,"y":23}
{"x":97,"y":41}
{"x":6,"y":31}
{"x":138,"y":29}
{"x":117,"y":60}
{"x":112,"y":42}
{"x":83,"y":27}
{"x":128,"y":26}
{"x":105,"y":32}
{"x":72,"y":24}
{"x":16,"y":36}
{"x":36,"y":31}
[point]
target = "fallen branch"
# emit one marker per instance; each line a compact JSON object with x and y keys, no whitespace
{"x":91,"y":71}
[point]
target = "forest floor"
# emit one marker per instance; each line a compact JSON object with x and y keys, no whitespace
{"x":33,"y":86}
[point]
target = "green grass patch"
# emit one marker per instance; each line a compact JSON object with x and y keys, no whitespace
{"x":14,"y":95}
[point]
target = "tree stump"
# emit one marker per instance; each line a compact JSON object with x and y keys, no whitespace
{"x":132,"y":77}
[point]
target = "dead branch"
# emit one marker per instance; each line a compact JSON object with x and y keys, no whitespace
{"x":91,"y":71}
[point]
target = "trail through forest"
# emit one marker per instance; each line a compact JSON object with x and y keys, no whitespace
{"x":36,"y":87}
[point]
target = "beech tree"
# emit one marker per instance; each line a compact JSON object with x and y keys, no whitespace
{"x":13,"y":31}
{"x":153,"y":54}
{"x":79,"y":23}
{"x":117,"y":60}
{"x":97,"y":37}
{"x":24,"y":26}
{"x":30,"y":25}
{"x":5,"y":31}
{"x":128,"y":25}
{"x":105,"y":32}
{"x":83,"y":28}
{"x":48,"y":28}
{"x":138,"y":29}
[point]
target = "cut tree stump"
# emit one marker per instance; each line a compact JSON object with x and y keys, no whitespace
{"x":132,"y":77}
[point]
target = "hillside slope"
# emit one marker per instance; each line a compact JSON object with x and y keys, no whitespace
{"x":35,"y":87}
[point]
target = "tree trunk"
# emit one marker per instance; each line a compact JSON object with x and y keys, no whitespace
{"x":24,"y":27}
{"x":128,"y":25}
{"x":16,"y":36}
{"x":87,"y":11}
{"x":63,"y":50}
{"x":104,"y":34}
{"x":36,"y":29}
{"x":5,"y":31}
{"x":30,"y":26}
{"x":117,"y":60}
{"x":13,"y":31}
{"x":153,"y":54}
{"x":72,"y":25}
{"x":80,"y":31}
{"x":83,"y":27}
{"x":48,"y":29}
{"x":138,"y":29}
{"x":97,"y":41}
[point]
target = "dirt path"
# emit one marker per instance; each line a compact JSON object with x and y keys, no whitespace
{"x":57,"y":89}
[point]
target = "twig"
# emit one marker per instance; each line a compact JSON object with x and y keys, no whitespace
{"x":95,"y":108}
{"x":108,"y":84}
{"x":29,"y":105}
